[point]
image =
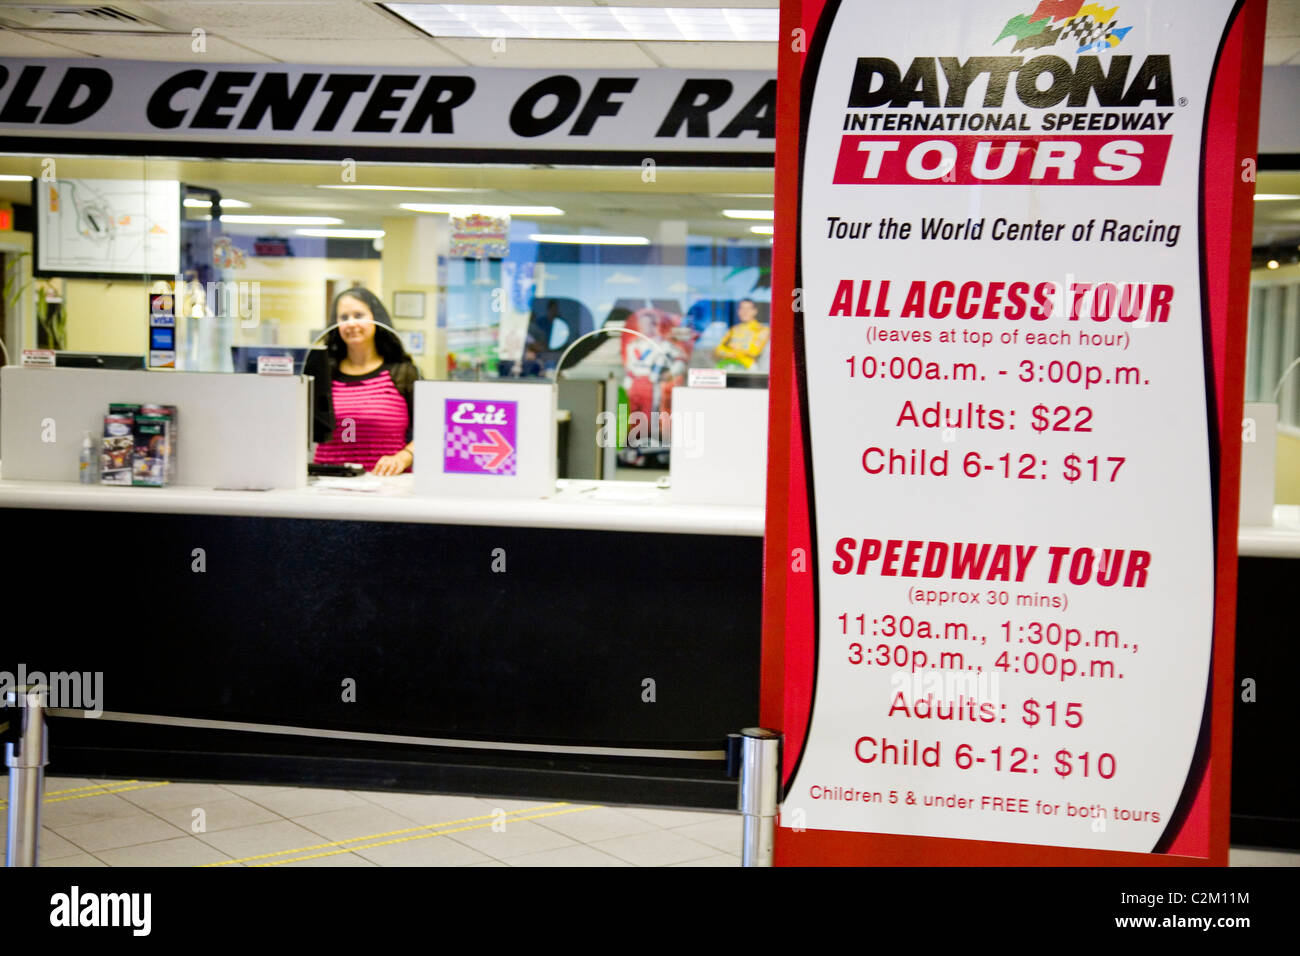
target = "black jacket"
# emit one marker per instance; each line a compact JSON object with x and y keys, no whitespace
{"x":323,"y":367}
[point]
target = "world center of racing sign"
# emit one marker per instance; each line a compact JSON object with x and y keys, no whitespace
{"x":241,"y":106}
{"x":1002,"y":507}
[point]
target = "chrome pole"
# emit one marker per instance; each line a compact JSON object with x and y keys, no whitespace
{"x":760,"y":790}
{"x":26,"y":761}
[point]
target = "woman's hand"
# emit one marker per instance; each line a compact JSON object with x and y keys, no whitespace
{"x":393,"y":464}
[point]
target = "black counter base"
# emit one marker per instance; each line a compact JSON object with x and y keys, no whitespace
{"x":563,"y":638}
{"x":1265,"y":833}
{"x":1265,"y":786}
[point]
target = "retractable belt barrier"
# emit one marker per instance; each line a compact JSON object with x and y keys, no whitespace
{"x":753,"y":755}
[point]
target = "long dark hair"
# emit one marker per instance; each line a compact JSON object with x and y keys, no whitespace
{"x":388,"y":345}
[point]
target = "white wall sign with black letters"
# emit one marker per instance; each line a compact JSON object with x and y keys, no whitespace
{"x":652,"y":110}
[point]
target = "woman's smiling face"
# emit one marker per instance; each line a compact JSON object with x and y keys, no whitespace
{"x":356,"y":322}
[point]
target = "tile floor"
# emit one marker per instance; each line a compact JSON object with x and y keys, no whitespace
{"x":155,"y":823}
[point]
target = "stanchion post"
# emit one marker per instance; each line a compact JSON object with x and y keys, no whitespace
{"x":26,"y":754}
{"x":760,"y":793}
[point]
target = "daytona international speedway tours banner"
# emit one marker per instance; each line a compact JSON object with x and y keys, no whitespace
{"x":1008,"y":336}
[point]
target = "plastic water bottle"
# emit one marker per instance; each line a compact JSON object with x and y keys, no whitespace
{"x":88,"y":470}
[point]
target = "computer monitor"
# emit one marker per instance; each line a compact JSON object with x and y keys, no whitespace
{"x":116,"y":360}
{"x":245,"y":357}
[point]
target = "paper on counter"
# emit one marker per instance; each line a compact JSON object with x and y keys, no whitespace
{"x":366,"y":483}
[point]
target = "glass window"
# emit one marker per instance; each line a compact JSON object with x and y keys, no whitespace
{"x":1273,"y":341}
{"x":483,"y":271}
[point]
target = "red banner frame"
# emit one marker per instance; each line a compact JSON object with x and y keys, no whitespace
{"x":788,"y":655}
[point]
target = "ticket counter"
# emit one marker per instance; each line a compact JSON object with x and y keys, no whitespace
{"x":598,"y":643}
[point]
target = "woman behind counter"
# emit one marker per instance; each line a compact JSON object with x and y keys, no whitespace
{"x":365,"y":382}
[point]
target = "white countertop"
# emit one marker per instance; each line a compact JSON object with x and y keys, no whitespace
{"x":578,"y":504}
{"x":1282,"y":540}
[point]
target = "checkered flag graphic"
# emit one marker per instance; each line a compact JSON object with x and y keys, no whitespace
{"x":1087,"y":31}
{"x":459,"y":440}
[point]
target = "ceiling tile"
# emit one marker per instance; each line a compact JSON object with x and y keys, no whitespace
{"x":714,"y":56}
{"x":550,"y":54}
{"x":16,"y":44}
{"x":158,"y":46}
{"x":281,"y":18}
{"x":407,"y":51}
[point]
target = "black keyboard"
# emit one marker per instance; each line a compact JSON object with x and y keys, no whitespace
{"x":347,"y":470}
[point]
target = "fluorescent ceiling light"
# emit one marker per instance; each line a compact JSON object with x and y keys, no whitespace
{"x":1274,"y":197}
{"x":762,"y":230}
{"x":342,"y":233}
{"x":413,"y":189}
{"x":283,"y":220}
{"x":715,"y":24}
{"x":468,"y":209}
{"x":749,"y":213}
{"x":11,"y":178}
{"x":591,"y":240}
{"x":196,"y":203}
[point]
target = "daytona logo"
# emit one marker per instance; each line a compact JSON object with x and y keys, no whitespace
{"x":1041,"y":82}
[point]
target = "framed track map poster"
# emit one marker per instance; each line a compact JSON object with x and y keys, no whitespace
{"x":108,"y":227}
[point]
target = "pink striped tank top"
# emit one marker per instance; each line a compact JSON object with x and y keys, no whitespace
{"x":370,"y":420}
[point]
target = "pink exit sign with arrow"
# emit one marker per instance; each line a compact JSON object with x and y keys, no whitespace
{"x":480,"y":437}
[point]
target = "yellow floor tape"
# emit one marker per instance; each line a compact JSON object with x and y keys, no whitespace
{"x":420,"y":833}
{"x":96,"y":790}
